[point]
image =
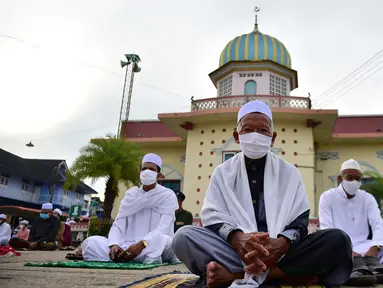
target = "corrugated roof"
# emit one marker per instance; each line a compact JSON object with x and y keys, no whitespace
{"x":35,"y":169}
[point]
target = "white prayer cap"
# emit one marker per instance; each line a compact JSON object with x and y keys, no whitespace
{"x":47,"y":206}
{"x":152,"y":158}
{"x":58,"y":211}
{"x":254,"y":107}
{"x":350,"y":164}
{"x":26,"y":222}
{"x":2,"y":216}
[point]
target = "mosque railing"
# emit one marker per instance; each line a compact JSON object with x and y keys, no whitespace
{"x":274,"y":101}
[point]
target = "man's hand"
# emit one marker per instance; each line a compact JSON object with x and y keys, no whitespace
{"x":114,"y":253}
{"x":33,"y":245}
{"x":251,"y":243}
{"x":135,"y":250}
{"x":276,"y":248}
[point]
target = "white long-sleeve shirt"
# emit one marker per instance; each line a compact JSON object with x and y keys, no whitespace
{"x":353,"y":215}
{"x":5,"y":233}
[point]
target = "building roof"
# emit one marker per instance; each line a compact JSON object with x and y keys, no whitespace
{"x":147,"y":129}
{"x":40,"y":170}
{"x":359,"y":124}
{"x":37,"y":169}
{"x":344,"y":124}
{"x":255,"y":46}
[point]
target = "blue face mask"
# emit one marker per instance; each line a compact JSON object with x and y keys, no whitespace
{"x":44,"y":215}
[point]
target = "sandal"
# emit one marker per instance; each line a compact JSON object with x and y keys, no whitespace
{"x":375,"y":267}
{"x":361,"y":275}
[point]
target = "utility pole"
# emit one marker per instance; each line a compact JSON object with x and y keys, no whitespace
{"x":133,"y":59}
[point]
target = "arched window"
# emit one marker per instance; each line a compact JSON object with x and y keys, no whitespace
{"x":250,"y":87}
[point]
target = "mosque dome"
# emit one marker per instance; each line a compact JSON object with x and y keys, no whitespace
{"x":255,"y":46}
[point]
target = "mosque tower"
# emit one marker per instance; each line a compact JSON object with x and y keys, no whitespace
{"x":254,"y":65}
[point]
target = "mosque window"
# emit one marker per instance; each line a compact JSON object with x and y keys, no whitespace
{"x":278,"y":85}
{"x":250,"y":87}
{"x":225,"y":85}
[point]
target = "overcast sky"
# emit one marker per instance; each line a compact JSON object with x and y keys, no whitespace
{"x":50,"y":90}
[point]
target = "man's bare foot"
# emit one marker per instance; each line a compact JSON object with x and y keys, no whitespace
{"x":218,"y":276}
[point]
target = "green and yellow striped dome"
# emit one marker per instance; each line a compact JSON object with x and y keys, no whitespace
{"x":255,"y":46}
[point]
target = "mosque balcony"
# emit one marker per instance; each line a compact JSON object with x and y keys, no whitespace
{"x":274,"y":101}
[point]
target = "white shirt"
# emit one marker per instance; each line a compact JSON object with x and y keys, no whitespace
{"x":353,"y":215}
{"x":5,"y":231}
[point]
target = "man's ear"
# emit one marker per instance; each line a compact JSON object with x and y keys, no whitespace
{"x":236,"y":136}
{"x":340,"y":179}
{"x":273,"y":138}
{"x":160,"y":176}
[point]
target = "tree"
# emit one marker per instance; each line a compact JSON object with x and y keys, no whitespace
{"x":111,"y":158}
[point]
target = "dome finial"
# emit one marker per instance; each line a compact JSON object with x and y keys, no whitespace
{"x":256,"y":10}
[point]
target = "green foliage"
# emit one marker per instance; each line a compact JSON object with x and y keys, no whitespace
{"x":99,"y":227}
{"x":375,"y":187}
{"x":111,"y":158}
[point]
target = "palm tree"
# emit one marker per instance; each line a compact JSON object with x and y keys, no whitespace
{"x":113,"y":159}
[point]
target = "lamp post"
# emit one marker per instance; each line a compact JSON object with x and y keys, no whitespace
{"x":55,"y":171}
{"x":133,"y":59}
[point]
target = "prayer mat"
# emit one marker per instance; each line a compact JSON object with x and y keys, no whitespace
{"x":95,"y":265}
{"x":184,"y":280}
{"x":165,"y":280}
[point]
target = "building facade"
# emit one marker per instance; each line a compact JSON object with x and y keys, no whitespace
{"x":31,"y":182}
{"x":256,"y":66}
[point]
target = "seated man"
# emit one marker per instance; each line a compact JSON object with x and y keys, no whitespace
{"x":143,"y":229}
{"x":60,"y":234}
{"x":255,"y":218}
{"x":5,"y":231}
{"x":354,"y":211}
{"x":183,"y":217}
{"x":23,"y":232}
{"x":43,"y":233}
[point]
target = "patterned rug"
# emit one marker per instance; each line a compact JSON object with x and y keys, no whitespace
{"x":96,"y":265}
{"x":166,"y":280}
{"x":184,"y":280}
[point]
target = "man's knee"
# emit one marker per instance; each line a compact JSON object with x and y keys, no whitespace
{"x":181,"y":237}
{"x":337,"y":240}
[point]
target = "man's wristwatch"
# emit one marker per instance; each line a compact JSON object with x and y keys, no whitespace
{"x":145,"y":243}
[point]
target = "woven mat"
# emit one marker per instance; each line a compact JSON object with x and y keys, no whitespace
{"x":183,"y":280}
{"x":95,"y":265}
{"x":166,"y":280}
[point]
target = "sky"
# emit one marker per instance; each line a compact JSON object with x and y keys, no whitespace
{"x":61,"y":81}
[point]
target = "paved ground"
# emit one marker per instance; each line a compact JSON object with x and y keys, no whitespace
{"x":13,"y":274}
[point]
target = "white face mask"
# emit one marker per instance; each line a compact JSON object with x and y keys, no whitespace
{"x":351,"y":187}
{"x":148,"y":177}
{"x":22,"y":226}
{"x":254,"y":145}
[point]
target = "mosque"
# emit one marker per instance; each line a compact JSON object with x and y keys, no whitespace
{"x":256,"y":66}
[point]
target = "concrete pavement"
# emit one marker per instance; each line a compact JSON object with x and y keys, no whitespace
{"x":13,"y":274}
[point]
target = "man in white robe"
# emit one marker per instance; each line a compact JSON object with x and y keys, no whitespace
{"x":5,"y":231}
{"x":255,"y":218}
{"x":144,"y":226}
{"x":355,"y":211}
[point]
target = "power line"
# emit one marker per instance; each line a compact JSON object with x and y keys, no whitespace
{"x":75,"y":132}
{"x":92,"y":66}
{"x":357,"y":84}
{"x":346,"y":79}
